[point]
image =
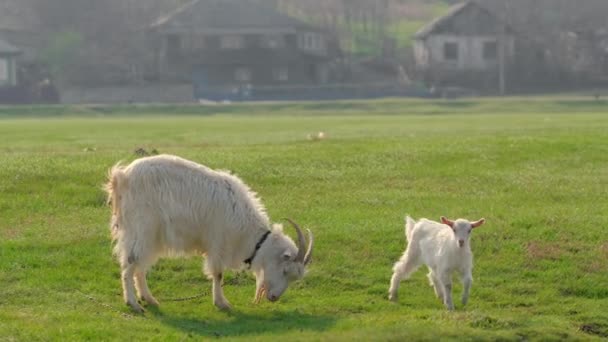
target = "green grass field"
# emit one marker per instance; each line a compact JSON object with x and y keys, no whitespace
{"x":536,"y":169}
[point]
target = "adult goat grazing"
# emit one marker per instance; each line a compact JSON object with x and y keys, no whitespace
{"x":168,"y":206}
{"x":444,"y":248}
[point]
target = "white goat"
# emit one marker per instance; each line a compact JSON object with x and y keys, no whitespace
{"x":444,"y":248}
{"x":165,"y":205}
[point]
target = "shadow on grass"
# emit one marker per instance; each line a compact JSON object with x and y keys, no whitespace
{"x":237,"y":323}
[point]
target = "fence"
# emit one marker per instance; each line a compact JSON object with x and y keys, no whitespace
{"x":184,"y":93}
{"x":163,"y":93}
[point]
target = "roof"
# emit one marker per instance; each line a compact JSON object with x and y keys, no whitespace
{"x":237,"y":15}
{"x":445,"y":23}
{"x":8,"y":49}
{"x":17,"y":15}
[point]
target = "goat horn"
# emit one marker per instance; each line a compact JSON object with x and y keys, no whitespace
{"x":307,"y":258}
{"x":301,"y":243}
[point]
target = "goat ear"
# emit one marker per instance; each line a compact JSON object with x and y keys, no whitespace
{"x":478,"y":223}
{"x":445,"y":221}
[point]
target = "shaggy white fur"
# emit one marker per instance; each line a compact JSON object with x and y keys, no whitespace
{"x":168,"y":206}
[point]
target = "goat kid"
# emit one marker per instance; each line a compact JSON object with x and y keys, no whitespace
{"x":444,"y":248}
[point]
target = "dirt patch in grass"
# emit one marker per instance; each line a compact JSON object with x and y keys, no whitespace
{"x":604,"y":251}
{"x":598,"y":264}
{"x":584,"y":291}
{"x":537,"y":250}
{"x":551,"y":251}
{"x":10,"y":233}
{"x":594,"y":329}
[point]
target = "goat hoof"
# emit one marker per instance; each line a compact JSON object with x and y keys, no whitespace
{"x":393,"y":297}
{"x":136,"y":307}
{"x":224,"y":306}
{"x":151,"y":301}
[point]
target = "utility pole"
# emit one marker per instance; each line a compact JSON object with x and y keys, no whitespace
{"x":502,"y":50}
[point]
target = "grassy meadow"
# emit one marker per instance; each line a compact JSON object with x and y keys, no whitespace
{"x":535,"y":168}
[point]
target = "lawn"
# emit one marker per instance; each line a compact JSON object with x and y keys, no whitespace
{"x":536,"y":169}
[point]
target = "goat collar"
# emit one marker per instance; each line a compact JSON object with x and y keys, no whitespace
{"x":249,"y":260}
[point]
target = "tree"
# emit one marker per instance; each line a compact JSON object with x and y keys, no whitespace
{"x":96,"y":36}
{"x":61,"y":52}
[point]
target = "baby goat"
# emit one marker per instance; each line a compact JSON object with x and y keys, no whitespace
{"x":443,"y":248}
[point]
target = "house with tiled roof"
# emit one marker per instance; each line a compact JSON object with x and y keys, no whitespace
{"x":238,"y":43}
{"x":472,"y":44}
{"x":464,"y":44}
{"x":18,"y":27}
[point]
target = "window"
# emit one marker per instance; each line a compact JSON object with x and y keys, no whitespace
{"x":3,"y":70}
{"x":173,"y":45}
{"x":450,"y":51}
{"x":242,"y":74}
{"x":280,"y":74}
{"x":232,"y":42}
{"x":272,"y":41}
{"x":540,"y":56}
{"x":198,"y":42}
{"x":311,"y":41}
{"x":316,"y":42}
{"x":193,"y":42}
{"x":320,"y":43}
{"x":490,"y":50}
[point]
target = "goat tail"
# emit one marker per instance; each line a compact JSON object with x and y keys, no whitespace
{"x":409,"y":227}
{"x":115,"y":188}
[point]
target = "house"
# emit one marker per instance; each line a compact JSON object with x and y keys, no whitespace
{"x":585,"y":51}
{"x":238,"y":44}
{"x":8,"y":64}
{"x":473,"y":46}
{"x":23,"y":78}
{"x":18,"y":27}
{"x":464,"y":46}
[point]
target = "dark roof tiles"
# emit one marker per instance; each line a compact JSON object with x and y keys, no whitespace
{"x":226,"y":14}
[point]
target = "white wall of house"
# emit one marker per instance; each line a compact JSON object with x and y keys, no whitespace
{"x":4,"y":71}
{"x":8,"y":71}
{"x":421,"y":54}
{"x":452,"y":52}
